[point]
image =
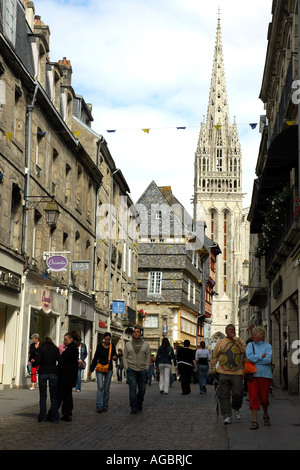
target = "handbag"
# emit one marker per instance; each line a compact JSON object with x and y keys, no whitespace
{"x":82,"y":365}
{"x":249,"y":367}
{"x":103,"y":369}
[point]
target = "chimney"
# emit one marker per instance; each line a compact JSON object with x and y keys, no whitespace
{"x":29,"y":13}
{"x":66,"y":71}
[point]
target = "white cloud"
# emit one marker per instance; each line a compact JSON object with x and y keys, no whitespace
{"x":148,"y":63}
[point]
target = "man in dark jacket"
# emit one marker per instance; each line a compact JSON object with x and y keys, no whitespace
{"x":68,"y":370}
{"x":47,"y":358}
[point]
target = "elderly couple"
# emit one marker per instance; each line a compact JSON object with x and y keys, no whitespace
{"x":227,"y":361}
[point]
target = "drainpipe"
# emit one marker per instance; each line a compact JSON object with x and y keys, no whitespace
{"x":30,"y":109}
{"x":99,"y":143}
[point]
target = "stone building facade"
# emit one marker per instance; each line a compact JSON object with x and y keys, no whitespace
{"x":170,"y":270}
{"x":51,"y":159}
{"x":274,"y":284}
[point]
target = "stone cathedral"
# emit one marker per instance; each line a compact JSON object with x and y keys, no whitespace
{"x":218,"y":198}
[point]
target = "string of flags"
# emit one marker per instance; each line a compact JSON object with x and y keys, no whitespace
{"x":77,"y":134}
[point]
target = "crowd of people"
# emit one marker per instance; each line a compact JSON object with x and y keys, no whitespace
{"x":62,"y":367}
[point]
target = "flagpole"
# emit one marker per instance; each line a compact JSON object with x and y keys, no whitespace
{"x":299,"y":100}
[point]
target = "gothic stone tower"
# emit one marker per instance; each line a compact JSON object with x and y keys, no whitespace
{"x":218,"y":196}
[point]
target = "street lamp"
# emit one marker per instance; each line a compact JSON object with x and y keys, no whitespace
{"x":52,"y":213}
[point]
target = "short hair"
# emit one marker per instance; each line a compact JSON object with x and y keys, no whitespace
{"x":107,"y":334}
{"x":260,"y":331}
{"x":202,"y":344}
{"x":137,"y":328}
{"x":231,"y":325}
{"x":35,"y":336}
{"x":186,"y":342}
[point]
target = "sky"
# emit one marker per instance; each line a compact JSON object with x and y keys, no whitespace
{"x":147,"y":64}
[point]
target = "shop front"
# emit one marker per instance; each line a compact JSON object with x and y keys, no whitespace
{"x":81,"y":314}
{"x":45,"y":308}
{"x":10,"y":304}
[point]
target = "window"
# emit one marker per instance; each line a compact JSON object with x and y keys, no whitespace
{"x":9,"y":19}
{"x":155,"y":283}
{"x":158,"y":215}
{"x":151,"y":321}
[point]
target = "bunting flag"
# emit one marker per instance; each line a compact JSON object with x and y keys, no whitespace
{"x":217,"y":127}
{"x":290,"y":123}
{"x":9,"y":135}
{"x":77,"y":133}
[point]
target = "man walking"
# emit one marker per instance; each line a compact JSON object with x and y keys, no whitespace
{"x":229,"y":353}
{"x":136,"y":363}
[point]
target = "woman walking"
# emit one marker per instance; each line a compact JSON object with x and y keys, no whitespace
{"x":33,"y":349}
{"x":260,"y":353}
{"x":201,"y":365}
{"x":164,"y":357}
{"x":105,"y":354}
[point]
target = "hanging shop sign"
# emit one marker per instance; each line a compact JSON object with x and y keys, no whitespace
{"x":57,"y":263}
{"x":118,"y":306}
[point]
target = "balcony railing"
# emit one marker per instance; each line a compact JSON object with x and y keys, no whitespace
{"x":283,"y":229}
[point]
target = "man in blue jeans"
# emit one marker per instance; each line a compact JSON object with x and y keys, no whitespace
{"x":136,"y":363}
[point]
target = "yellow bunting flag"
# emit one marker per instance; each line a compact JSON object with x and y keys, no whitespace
{"x":290,"y":123}
{"x":9,"y":135}
{"x":146,"y":130}
{"x":217,"y":127}
{"x":77,"y":133}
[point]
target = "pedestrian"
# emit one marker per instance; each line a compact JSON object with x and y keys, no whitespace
{"x":228,"y":353}
{"x":164,"y":357}
{"x":151,"y":369}
{"x":33,"y":348}
{"x":136,"y":363}
{"x":47,"y":359}
{"x":285,"y":360}
{"x":67,"y":376}
{"x":120,"y":365}
{"x":201,"y":362}
{"x":185,"y":361}
{"x":260,"y":353}
{"x":82,"y":355}
{"x":104,"y":355}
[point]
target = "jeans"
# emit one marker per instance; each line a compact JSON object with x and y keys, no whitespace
{"x":164,"y":377}
{"x":202,"y":375}
{"x":53,"y":380}
{"x":137,"y":387}
{"x":103,"y":383}
{"x":78,"y":383}
{"x":150,"y":373}
{"x":119,"y":373}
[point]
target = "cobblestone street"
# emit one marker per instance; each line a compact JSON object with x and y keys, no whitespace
{"x":168,"y":422}
{"x":173,"y":422}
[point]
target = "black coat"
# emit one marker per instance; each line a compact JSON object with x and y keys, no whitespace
{"x":47,"y":358}
{"x":68,"y":367}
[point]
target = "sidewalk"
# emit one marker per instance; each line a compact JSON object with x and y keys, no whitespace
{"x":168,"y":422}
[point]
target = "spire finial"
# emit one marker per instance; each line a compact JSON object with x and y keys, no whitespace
{"x":219,"y":13}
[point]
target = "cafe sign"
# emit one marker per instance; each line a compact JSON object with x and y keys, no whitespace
{"x":57,"y":263}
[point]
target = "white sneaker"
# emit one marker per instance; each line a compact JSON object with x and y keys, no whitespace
{"x":227,"y":420}
{"x":237,"y":414}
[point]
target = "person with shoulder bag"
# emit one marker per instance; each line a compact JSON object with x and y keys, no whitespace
{"x":164,"y":357}
{"x":102,"y":363}
{"x":259,"y":353}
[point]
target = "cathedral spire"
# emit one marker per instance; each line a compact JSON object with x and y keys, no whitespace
{"x":217,"y":111}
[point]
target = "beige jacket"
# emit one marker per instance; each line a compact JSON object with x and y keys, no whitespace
{"x":140,"y":361}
